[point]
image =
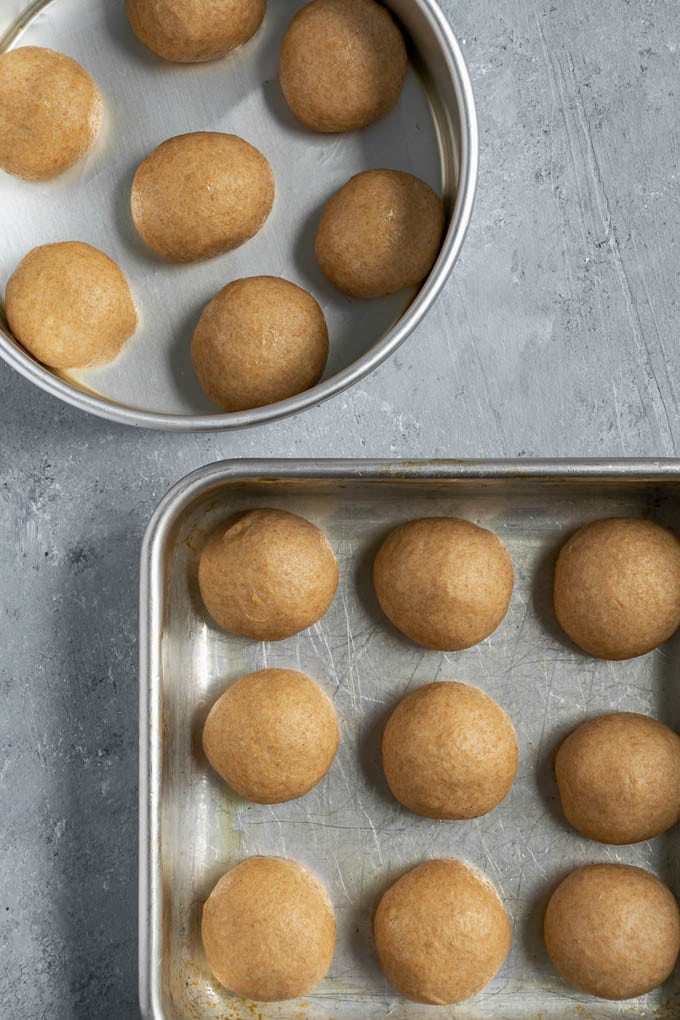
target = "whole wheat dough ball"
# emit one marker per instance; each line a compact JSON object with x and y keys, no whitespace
{"x":619,"y":778}
{"x":443,"y":582}
{"x":380,"y":233}
{"x":343,"y":64}
{"x":189,"y":31}
{"x":267,"y":575}
{"x":613,"y":930}
{"x":617,"y":587}
{"x":268,"y":930}
{"x":441,"y":933}
{"x":70,"y":305}
{"x":272,"y":735}
{"x":50,"y":112}
{"x":201,"y":194}
{"x":260,"y":340}
{"x":449,"y":751}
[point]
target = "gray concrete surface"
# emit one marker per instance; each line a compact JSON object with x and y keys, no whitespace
{"x":557,"y":335}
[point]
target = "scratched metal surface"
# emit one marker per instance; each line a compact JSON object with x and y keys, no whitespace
{"x":147,"y":101}
{"x":349,"y":830}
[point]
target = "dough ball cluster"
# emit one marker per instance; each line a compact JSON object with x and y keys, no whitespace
{"x":343,"y":64}
{"x":190,"y":31}
{"x":272,"y":735}
{"x":70,"y":306}
{"x":267,"y":575}
{"x":202,"y":194}
{"x":268,"y":930}
{"x":51,"y":112}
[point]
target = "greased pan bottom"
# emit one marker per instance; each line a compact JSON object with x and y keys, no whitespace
{"x":349,"y":830}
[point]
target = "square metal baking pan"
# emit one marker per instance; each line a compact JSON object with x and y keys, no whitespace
{"x":349,"y":830}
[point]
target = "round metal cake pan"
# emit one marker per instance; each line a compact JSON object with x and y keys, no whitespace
{"x":433,"y":133}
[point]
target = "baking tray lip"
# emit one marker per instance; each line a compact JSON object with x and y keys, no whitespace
{"x":168,"y":511}
{"x":183,"y":491}
{"x":104,"y":407}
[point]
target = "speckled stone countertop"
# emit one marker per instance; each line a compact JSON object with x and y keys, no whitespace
{"x":556,"y":336}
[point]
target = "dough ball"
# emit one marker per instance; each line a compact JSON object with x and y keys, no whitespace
{"x":443,"y":582}
{"x":619,"y":778}
{"x":268,"y":930}
{"x":441,"y":933}
{"x":201,"y":194}
{"x":260,"y":340}
{"x":613,"y":931}
{"x":617,"y":587}
{"x":343,"y":64}
{"x":449,"y":751}
{"x":70,"y":305}
{"x":50,"y":113}
{"x":189,"y":31}
{"x":381,"y":232}
{"x":267,"y":575}
{"x":272,"y":735}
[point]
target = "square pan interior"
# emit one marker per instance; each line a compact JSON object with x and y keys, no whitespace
{"x":349,"y":830}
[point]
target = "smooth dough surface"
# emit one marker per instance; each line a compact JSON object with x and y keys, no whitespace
{"x":258,"y":341}
{"x":272,"y":735}
{"x":443,"y":582}
{"x":343,"y":64}
{"x":619,"y":778}
{"x":70,"y":305}
{"x":617,"y":587}
{"x":268,"y":930}
{"x":267,"y":575}
{"x":380,"y":233}
{"x":51,"y":112}
{"x":190,"y":31}
{"x":613,"y":930}
{"x":201,"y":194}
{"x":449,"y":751}
{"x":441,"y":933}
